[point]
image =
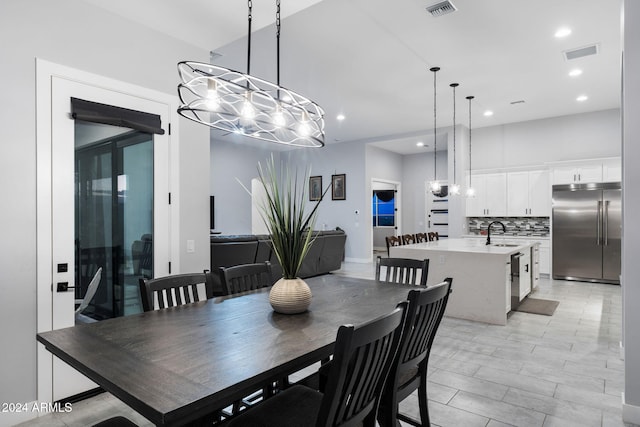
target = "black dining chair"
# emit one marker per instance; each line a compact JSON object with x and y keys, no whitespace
{"x":362,"y":358}
{"x":402,"y":270}
{"x":171,"y":291}
{"x":392,"y":241}
{"x":409,"y":371}
{"x":245,"y":277}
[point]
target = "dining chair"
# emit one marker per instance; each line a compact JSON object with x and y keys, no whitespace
{"x":393,"y":241}
{"x":433,"y":235}
{"x":118,"y":421}
{"x":245,"y":277}
{"x":409,"y":370}
{"x":422,"y":237}
{"x":408,"y":239}
{"x":402,"y":270}
{"x":82,"y":304}
{"x":362,"y":359}
{"x":171,"y":291}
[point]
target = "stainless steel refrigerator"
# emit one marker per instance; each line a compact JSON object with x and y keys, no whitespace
{"x":586,"y":232}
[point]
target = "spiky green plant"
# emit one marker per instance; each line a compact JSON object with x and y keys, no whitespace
{"x":284,"y":214}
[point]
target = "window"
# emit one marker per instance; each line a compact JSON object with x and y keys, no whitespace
{"x":384,"y":208}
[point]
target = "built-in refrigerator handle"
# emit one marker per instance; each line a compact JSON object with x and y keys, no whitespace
{"x":605,"y":223}
{"x":599,"y":223}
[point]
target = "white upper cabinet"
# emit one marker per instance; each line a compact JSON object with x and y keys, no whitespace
{"x":612,"y":170}
{"x":528,"y":193}
{"x":587,"y":171}
{"x":491,"y":195}
{"x":577,"y":174}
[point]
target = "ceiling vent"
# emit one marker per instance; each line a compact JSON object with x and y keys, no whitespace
{"x":581,"y":52}
{"x":441,"y":8}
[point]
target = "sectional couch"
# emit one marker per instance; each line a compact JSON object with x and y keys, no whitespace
{"x":325,"y":255}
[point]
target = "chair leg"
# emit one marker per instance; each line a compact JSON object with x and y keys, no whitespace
{"x":388,"y":410}
{"x":423,"y":401}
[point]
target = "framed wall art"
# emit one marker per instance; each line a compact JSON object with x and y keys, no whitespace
{"x":338,"y":187}
{"x":315,"y":188}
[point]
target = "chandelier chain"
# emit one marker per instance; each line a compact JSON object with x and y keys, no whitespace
{"x":454,"y":131}
{"x":249,"y":19}
{"x":435,"y":139}
{"x":278,"y":42}
{"x":469,"y":98}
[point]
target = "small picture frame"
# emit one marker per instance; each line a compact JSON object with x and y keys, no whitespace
{"x":315,"y":188}
{"x":338,"y":187}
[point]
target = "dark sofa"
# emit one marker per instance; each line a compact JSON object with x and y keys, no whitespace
{"x":325,"y":255}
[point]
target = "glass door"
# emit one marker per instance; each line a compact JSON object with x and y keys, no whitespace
{"x":113,"y":216}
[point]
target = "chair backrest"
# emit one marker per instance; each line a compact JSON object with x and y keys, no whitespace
{"x":403,"y":270}
{"x":421,"y":237}
{"x":171,"y":291}
{"x":245,"y":277}
{"x":408,"y":239}
{"x":424,"y":313}
{"x":393,"y":241}
{"x":433,"y":235}
{"x":362,"y":359}
{"x":91,"y":291}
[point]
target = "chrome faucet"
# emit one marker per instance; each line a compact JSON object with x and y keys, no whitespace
{"x":504,"y":229}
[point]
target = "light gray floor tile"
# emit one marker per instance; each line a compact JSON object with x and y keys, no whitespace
{"x":500,"y":411}
{"x":559,"y":376}
{"x":519,"y":381}
{"x":551,"y":421}
{"x":470,"y":384}
{"x":602,"y":401}
{"x":571,"y":411}
{"x":449,"y":416}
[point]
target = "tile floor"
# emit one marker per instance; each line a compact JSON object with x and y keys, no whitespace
{"x":561,"y":370}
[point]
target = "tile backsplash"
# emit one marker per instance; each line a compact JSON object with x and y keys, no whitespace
{"x":516,"y":226}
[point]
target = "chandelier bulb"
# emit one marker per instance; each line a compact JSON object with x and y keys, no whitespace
{"x":248,"y":110}
{"x":454,"y":190}
{"x":213,"y":98}
{"x":435,"y":186}
{"x":471,"y":192}
{"x":278,"y":117}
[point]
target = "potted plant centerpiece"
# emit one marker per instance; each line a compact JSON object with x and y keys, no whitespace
{"x":290,"y":226}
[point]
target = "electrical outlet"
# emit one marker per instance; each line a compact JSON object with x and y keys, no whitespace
{"x":191,"y":246}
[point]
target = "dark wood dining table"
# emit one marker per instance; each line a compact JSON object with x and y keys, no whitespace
{"x":176,"y":365}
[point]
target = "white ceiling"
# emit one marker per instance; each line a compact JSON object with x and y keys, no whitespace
{"x":370,"y":59}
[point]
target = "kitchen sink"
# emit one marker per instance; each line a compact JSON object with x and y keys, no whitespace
{"x":505,"y":245}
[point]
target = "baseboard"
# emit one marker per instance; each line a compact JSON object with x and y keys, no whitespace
{"x":630,"y":413}
{"x":358,"y":260}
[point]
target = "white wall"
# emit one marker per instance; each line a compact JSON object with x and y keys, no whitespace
{"x":386,"y":166}
{"x":347,"y":158}
{"x":418,"y":170}
{"x":75,"y":34}
{"x":631,"y":207}
{"x":230,"y":163}
{"x":579,"y":136}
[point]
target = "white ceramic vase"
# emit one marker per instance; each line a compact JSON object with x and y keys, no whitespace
{"x":290,"y":296}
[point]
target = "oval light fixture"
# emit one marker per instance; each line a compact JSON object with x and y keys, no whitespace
{"x":582,"y":98}
{"x":575,"y":72}
{"x":340,"y":117}
{"x":488,"y":113}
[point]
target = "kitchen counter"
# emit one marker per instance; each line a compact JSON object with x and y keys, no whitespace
{"x":481,"y":273}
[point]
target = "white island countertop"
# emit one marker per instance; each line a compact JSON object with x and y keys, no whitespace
{"x":481,"y":288}
{"x":498,"y":246}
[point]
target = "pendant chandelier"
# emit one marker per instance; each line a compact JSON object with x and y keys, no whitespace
{"x":243,"y":104}
{"x":454,"y":189}
{"x":434,"y":185}
{"x":471,"y":192}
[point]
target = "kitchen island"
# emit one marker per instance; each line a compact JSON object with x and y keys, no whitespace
{"x":481,"y":274}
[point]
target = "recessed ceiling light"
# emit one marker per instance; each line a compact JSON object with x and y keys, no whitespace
{"x":575,"y":72}
{"x":582,"y":98}
{"x":562,"y":32}
{"x":488,"y":113}
{"x":340,"y":117}
{"x":420,"y":144}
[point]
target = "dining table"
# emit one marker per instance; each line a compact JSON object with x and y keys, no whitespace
{"x":176,"y":365}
